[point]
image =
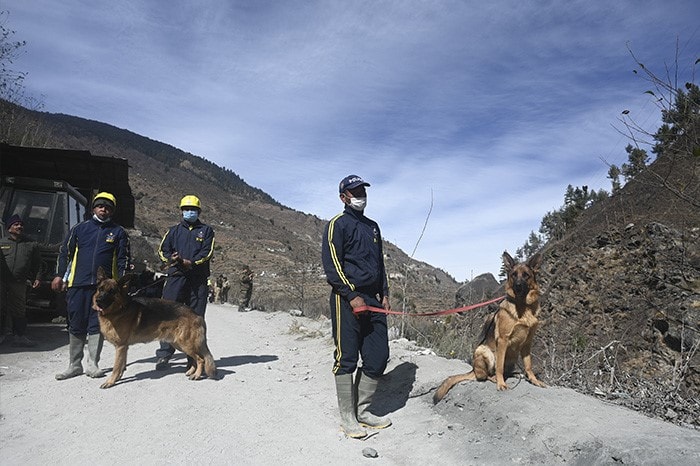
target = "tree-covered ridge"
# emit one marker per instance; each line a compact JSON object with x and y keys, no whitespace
{"x":170,"y":156}
{"x":678,"y":138}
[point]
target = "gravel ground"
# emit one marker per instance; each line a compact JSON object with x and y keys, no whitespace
{"x":274,"y":403}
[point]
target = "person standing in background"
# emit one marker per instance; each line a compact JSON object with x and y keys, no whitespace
{"x":245,"y":288}
{"x":22,"y":260}
{"x":218,"y":286}
{"x":225,"y":287}
{"x":210,"y":290}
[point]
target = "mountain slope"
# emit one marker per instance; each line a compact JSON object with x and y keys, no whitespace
{"x":282,"y":246}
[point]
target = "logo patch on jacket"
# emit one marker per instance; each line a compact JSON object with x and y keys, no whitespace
{"x":200,"y":236}
{"x":110,"y":237}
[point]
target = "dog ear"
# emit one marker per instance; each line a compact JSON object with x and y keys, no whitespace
{"x":508,"y":261}
{"x":535,"y":262}
{"x":100,"y":274}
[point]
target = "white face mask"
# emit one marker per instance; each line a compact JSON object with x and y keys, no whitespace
{"x":190,"y":216}
{"x":358,"y":203}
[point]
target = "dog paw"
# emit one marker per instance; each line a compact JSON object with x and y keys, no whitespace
{"x":107,"y":385}
{"x":535,"y":381}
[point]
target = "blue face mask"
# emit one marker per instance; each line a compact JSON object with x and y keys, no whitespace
{"x":190,"y":216}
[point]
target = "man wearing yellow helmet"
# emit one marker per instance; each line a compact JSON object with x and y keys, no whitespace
{"x":186,"y":249}
{"x":94,"y":243}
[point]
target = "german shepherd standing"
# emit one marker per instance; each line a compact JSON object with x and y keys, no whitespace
{"x":125,"y":320}
{"x":509,"y":332}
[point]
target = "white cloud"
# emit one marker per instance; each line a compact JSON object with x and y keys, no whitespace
{"x":493,"y":108}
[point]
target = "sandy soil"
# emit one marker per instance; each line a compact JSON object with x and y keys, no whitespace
{"x":274,"y":403}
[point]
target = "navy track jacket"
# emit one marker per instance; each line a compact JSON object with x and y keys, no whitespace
{"x":194,"y":242}
{"x":92,"y":244}
{"x":352,"y":256}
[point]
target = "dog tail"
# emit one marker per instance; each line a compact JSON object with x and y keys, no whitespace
{"x":209,"y":365}
{"x":450,"y":382}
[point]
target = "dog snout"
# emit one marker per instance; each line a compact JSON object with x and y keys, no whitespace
{"x":520,"y":285}
{"x":103,"y":300}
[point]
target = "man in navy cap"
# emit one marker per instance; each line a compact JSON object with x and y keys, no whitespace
{"x":23,"y":262}
{"x":354,"y":264}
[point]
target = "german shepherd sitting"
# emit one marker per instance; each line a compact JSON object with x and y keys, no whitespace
{"x":125,"y":320}
{"x":509,"y":332}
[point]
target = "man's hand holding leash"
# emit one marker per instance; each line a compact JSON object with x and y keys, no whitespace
{"x":386,"y":304}
{"x":359,"y":302}
{"x":184,"y":264}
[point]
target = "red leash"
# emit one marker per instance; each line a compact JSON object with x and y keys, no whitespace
{"x":361,"y":309}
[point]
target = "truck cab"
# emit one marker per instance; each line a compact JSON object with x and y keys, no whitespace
{"x":48,"y":208}
{"x":50,"y":189}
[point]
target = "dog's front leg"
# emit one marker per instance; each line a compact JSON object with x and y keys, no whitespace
{"x":532,"y":297}
{"x":195,"y":372}
{"x":527,"y":362}
{"x":501,"y":363}
{"x":119,"y":366}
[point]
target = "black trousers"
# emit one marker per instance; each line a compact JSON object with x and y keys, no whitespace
{"x":364,"y":335}
{"x":82,"y":319}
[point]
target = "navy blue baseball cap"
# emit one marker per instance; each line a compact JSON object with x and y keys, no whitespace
{"x":351,"y":182}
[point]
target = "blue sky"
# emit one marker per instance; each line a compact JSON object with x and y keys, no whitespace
{"x":489,"y":109}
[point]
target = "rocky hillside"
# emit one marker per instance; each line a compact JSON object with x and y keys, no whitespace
{"x":282,"y":246}
{"x":621,"y":298}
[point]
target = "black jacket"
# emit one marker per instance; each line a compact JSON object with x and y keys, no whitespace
{"x":352,"y":256}
{"x":22,"y":258}
{"x":92,"y":244}
{"x":194,"y":242}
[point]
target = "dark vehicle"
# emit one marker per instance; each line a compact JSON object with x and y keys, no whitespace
{"x":50,"y":190}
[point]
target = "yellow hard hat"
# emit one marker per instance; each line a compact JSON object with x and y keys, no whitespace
{"x":190,"y":201}
{"x":104,"y":198}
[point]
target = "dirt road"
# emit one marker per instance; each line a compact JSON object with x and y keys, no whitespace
{"x":274,"y":403}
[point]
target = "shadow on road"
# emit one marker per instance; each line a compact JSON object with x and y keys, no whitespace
{"x":47,"y":336}
{"x":232,"y":361}
{"x":394,"y":388}
{"x":178,"y":364}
